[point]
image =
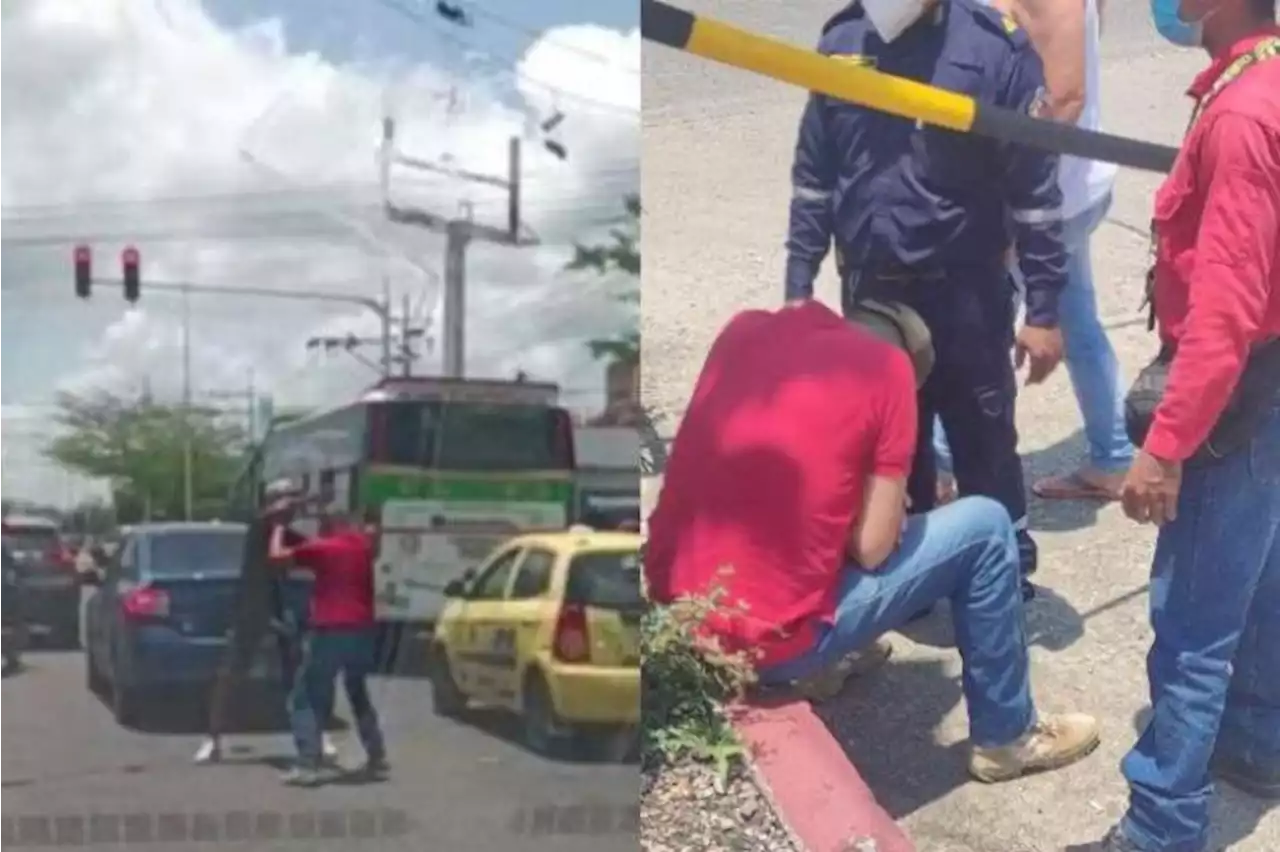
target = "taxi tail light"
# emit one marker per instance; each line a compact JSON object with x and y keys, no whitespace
{"x":145,"y":603}
{"x":571,"y":643}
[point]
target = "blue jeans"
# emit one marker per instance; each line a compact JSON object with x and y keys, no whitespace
{"x":1214,"y":667}
{"x":1091,"y":360}
{"x":966,"y":552}
{"x":326,"y":653}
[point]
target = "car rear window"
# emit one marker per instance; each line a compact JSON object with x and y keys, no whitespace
{"x":27,"y":541}
{"x":187,"y":553}
{"x":606,"y":579}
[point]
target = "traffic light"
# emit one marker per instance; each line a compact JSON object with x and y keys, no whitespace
{"x":129,"y":261}
{"x":84,"y":271}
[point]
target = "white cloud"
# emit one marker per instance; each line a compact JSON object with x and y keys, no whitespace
{"x":126,"y":120}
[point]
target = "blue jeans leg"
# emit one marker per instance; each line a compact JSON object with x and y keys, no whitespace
{"x":1214,"y":572}
{"x":1091,"y":360}
{"x":942,"y":448}
{"x":1251,"y":722}
{"x":358,"y":663}
{"x":311,"y":699}
{"x":966,"y":552}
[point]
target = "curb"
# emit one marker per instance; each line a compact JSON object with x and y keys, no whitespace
{"x":814,"y":789}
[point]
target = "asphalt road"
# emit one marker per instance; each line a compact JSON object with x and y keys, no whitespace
{"x":457,"y":786}
{"x":717,"y":151}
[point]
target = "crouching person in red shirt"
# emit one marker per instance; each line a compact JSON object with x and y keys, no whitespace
{"x":786,"y":487}
{"x":341,"y":639}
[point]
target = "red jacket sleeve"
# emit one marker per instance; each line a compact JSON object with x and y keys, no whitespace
{"x":1229,"y":286}
{"x":310,"y":554}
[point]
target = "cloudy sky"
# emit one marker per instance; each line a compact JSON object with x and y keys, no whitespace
{"x":233,"y":141}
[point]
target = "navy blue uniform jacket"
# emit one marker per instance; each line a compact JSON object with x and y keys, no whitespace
{"x":887,"y":190}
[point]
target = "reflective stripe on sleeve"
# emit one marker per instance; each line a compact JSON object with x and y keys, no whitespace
{"x":1037,"y":217}
{"x":804,"y":193}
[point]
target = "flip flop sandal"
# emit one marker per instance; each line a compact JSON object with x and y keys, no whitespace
{"x":1072,"y":486}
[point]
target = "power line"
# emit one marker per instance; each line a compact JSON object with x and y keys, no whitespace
{"x":506,"y":64}
{"x":540,"y":35}
{"x":301,"y":192}
{"x":249,"y":231}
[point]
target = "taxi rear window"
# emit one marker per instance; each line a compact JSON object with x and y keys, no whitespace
{"x":606,"y":579}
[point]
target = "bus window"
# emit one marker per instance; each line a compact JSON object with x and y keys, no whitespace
{"x":405,"y":433}
{"x":503,"y":437}
{"x":472,"y":436}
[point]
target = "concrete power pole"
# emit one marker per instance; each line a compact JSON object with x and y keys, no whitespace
{"x":459,"y":232}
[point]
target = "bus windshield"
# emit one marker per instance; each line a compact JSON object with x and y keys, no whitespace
{"x":472,"y":436}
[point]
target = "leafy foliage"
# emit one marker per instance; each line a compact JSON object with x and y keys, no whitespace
{"x":688,"y":679}
{"x":139,"y":448}
{"x":620,"y":255}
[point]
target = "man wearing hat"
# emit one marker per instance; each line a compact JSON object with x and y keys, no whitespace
{"x":924,"y":216}
{"x":785,"y":500}
{"x":259,"y":611}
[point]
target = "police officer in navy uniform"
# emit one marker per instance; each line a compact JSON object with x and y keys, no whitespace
{"x":925,"y":217}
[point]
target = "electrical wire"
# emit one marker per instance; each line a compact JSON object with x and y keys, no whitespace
{"x":600,"y":215}
{"x":540,"y":35}
{"x":505,"y":64}
{"x":301,"y":191}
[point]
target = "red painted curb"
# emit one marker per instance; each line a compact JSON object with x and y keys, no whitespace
{"x":813,"y":787}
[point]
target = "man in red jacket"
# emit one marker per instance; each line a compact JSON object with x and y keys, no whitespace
{"x":786,"y":487}
{"x":1215,"y":585}
{"x":341,"y":639}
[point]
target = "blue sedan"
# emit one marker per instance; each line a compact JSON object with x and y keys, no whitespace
{"x":160,"y":617}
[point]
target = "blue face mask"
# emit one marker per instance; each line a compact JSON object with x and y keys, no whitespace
{"x":1171,"y":26}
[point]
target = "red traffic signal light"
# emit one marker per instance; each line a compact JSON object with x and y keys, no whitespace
{"x":83,"y":259}
{"x":129,"y":260}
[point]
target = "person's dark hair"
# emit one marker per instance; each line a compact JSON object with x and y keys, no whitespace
{"x":1264,"y":9}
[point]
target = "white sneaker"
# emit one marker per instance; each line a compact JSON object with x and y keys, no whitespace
{"x":328,"y":748}
{"x":210,"y":751}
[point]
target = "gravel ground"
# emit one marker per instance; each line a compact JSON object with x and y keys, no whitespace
{"x":681,"y":810}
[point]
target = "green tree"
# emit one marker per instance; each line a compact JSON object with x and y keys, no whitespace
{"x":139,"y":448}
{"x":620,"y":255}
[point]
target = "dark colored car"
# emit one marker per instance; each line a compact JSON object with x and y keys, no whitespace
{"x":609,"y":511}
{"x":50,"y":589}
{"x":15,"y":633}
{"x":160,"y":617}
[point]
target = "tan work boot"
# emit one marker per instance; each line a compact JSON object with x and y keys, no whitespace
{"x":1055,"y":741}
{"x":827,"y":684}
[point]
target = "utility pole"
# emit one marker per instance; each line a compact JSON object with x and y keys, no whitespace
{"x":459,"y":232}
{"x":188,"y":462}
{"x":248,"y":395}
{"x":401,"y":348}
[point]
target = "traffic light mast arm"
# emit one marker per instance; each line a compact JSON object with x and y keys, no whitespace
{"x":380,"y":309}
{"x":368,"y":302}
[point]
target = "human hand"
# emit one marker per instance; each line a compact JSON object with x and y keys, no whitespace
{"x":1042,"y":347}
{"x":282,"y":509}
{"x":1150,"y":490}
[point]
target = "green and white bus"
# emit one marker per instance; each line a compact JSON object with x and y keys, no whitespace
{"x":448,"y":468}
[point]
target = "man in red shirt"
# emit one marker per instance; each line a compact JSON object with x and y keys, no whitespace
{"x":1215,"y":586}
{"x":786,"y":487}
{"x":341,"y":639}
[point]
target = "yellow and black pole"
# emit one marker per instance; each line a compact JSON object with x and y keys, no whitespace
{"x":721,"y":42}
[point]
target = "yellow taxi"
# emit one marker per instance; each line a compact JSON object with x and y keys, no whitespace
{"x":547,"y":627}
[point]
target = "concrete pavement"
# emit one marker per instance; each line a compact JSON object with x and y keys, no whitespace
{"x":717,"y":150}
{"x":464,"y":786}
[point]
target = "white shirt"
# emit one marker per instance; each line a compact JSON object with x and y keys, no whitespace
{"x":1085,"y":183}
